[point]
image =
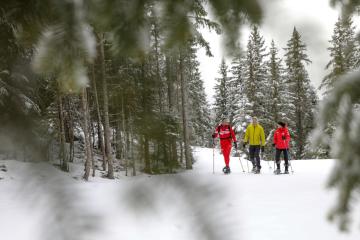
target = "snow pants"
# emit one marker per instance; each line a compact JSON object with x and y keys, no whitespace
{"x":254,"y":152}
{"x":286,"y":156}
{"x":226,"y":149}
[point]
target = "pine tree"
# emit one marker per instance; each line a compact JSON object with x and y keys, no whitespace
{"x":278,"y":90}
{"x":301,"y":93}
{"x":256,"y":81}
{"x":342,"y":53}
{"x":221,"y":105}
{"x":185,"y":110}
{"x":198,"y":105}
{"x":343,"y":60}
{"x":86,"y":128}
{"x":125,"y":47}
{"x":238,"y":100}
{"x":19,"y":104}
{"x":340,"y":107}
{"x":278,"y":100}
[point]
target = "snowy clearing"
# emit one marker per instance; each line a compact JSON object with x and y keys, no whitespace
{"x":37,"y":201}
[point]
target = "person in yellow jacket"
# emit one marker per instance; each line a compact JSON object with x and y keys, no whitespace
{"x":255,"y":136}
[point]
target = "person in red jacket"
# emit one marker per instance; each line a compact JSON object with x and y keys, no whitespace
{"x":281,"y":143}
{"x":226,"y":134}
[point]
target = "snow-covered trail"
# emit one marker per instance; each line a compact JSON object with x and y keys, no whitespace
{"x":195,"y":204}
{"x":291,"y":206}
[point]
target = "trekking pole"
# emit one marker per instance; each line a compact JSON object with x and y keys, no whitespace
{"x":273,"y":158}
{"x":241,"y":162}
{"x":213,"y":156}
{"x":268,"y":141}
{"x":247,"y":161}
{"x":262,"y":156}
{"x":269,"y":165}
{"x":292,"y":170}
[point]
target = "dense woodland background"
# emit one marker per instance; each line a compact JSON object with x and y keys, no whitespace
{"x":116,"y":85}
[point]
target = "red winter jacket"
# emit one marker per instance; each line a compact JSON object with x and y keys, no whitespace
{"x":282,"y":138}
{"x":225,"y":132}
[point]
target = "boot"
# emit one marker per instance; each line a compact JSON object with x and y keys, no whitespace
{"x":257,"y":170}
{"x":286,"y":169}
{"x":277,"y":170}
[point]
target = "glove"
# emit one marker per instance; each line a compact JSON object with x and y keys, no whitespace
{"x":273,"y":144}
{"x":213,"y":135}
{"x":235,"y":145}
{"x":244,"y":145}
{"x":262,"y":149}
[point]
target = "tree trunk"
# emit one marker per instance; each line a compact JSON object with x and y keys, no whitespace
{"x":300,"y":130}
{"x":98,"y":114}
{"x":147,"y":155}
{"x":124,"y":138}
{"x":107,"y":130}
{"x":126,"y":152}
{"x":184,"y":112}
{"x":119,"y":131}
{"x":91,"y":133}
{"x":132,"y":147}
{"x":132,"y":156}
{"x":158,"y":74}
{"x":63,"y":155}
{"x":164,"y":147}
{"x":119,"y":147}
{"x":70,"y":129}
{"x":170,"y":85}
{"x":181,"y":152}
{"x":86,"y":134}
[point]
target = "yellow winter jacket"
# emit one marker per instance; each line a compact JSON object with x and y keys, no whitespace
{"x":255,"y":135}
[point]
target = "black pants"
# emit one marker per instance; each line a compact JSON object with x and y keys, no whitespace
{"x":254,"y":152}
{"x":286,"y":156}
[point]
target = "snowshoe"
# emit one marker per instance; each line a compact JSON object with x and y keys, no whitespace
{"x":277,"y":171}
{"x":226,"y":170}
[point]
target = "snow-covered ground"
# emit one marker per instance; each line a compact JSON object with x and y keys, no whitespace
{"x":37,"y":201}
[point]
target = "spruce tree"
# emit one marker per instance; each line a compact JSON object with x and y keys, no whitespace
{"x":340,"y":107}
{"x":342,"y":60}
{"x":342,"y":52}
{"x":278,"y":90}
{"x":140,"y":106}
{"x":238,"y":98}
{"x":199,"y":108}
{"x":301,"y":94}
{"x":255,"y":82}
{"x":222,"y":101}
